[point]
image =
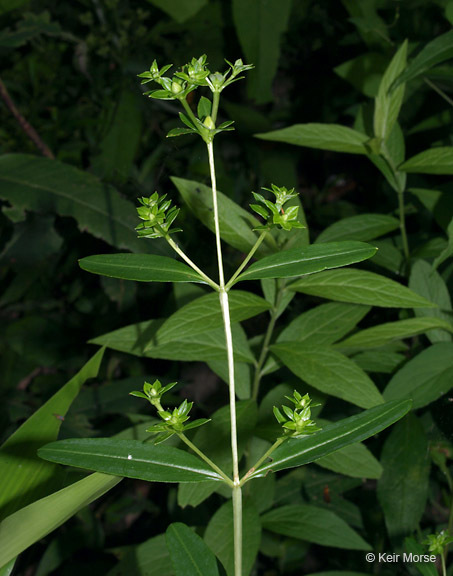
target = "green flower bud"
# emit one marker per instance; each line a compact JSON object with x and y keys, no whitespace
{"x":209,"y":123}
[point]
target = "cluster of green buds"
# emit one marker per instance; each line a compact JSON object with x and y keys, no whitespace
{"x":297,"y":422}
{"x":173,"y":422}
{"x":157,"y":215}
{"x":437,"y":543}
{"x":273,"y":213}
{"x":180,"y":85}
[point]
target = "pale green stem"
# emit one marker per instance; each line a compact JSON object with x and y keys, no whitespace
{"x":223,"y":295}
{"x":188,"y":109}
{"x":215,"y":106}
{"x":186,"y":259}
{"x":444,"y":564}
{"x":264,"y":457}
{"x":247,"y":259}
{"x":208,"y":461}
{"x":439,"y":91}
{"x":265,"y":348}
{"x":403,"y":225}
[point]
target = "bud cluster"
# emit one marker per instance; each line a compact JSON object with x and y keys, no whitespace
{"x":273,"y":213}
{"x":297,"y":422}
{"x":157,"y":215}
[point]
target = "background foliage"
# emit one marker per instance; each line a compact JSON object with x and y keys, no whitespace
{"x":71,"y":71}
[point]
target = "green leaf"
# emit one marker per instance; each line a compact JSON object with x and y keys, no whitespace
{"x":308,"y":260}
{"x":194,"y":494}
{"x":48,"y":186}
{"x":391,"y":331}
{"x":179,"y":10}
{"x":364,"y":72}
{"x":448,"y":251}
{"x":380,"y":361}
{"x":118,"y":148}
{"x":363,"y":227}
{"x":329,"y":371}
{"x":140,"y":267}
{"x":313,"y":524}
{"x":433,"y":161}
{"x":205,"y":346}
{"x":236,"y":224}
{"x":403,"y":487}
{"x":150,"y":558}
{"x":298,"y":452}
{"x":189,"y":554}
{"x":324,"y":324}
{"x":204,"y":107}
{"x":388,"y":102}
{"x":359,"y":287}
{"x":339,"y":573}
{"x":30,"y":524}
{"x":219,"y":536}
{"x":425,"y":568}
{"x":424,"y":378}
{"x":129,"y":458}
{"x":332,"y":137}
{"x":429,"y":284}
{"x":28,"y":477}
{"x":435,"y":52}
{"x":259,"y":26}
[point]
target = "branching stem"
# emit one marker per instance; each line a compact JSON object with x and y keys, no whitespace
{"x":247,"y":259}
{"x":208,"y":461}
{"x":266,"y":455}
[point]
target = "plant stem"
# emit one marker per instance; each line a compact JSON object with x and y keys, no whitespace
{"x":247,"y":259}
{"x":215,"y":106}
{"x":188,"y":109}
{"x":224,"y":304}
{"x":266,"y":455}
{"x":439,"y":91}
{"x":208,"y":461}
{"x":403,"y":225}
{"x":267,"y":338}
{"x":184,"y":256}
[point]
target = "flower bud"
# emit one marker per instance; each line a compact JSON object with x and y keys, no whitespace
{"x":209,"y":123}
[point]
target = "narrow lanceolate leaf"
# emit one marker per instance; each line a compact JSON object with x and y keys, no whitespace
{"x":30,"y":524}
{"x":388,"y":102}
{"x":364,"y":227}
{"x":150,"y":557}
{"x":425,"y":378}
{"x":332,"y":137}
{"x":329,"y":371}
{"x":324,"y":324}
{"x":385,"y":333}
{"x":48,"y":186}
{"x":219,"y":536}
{"x":433,"y":161}
{"x":189,"y":554}
{"x":308,"y":260}
{"x":26,"y":476}
{"x":313,"y":524}
{"x":297,"y":452}
{"x":129,"y":458}
{"x":236,"y":224}
{"x":403,"y":486}
{"x":140,"y":267}
{"x":435,"y":52}
{"x":360,"y":287}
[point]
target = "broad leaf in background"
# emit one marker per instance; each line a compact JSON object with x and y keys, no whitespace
{"x":219,"y":536}
{"x":324,"y":324}
{"x":433,"y":161}
{"x":30,"y":524}
{"x":259,"y":26}
{"x":363,"y":227}
{"x":383,"y":360}
{"x":129,"y":458}
{"x":313,"y":524}
{"x":385,"y":333}
{"x":140,"y":267}
{"x":329,"y":371}
{"x":26,"y":477}
{"x":313,"y":258}
{"x":118,"y":148}
{"x":236,"y":224}
{"x":298,"y":452}
{"x":179,"y":10}
{"x":424,"y":378}
{"x":150,"y":558}
{"x":403,"y":487}
{"x":189,"y":554}
{"x":48,"y":186}
{"x":364,"y":72}
{"x":388,"y":102}
{"x":360,"y":287}
{"x":435,"y":52}
{"x":332,"y":137}
{"x":430,"y":284}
